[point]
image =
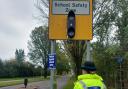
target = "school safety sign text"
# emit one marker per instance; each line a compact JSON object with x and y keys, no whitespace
{"x":63,"y":7}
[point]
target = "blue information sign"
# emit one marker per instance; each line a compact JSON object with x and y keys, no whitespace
{"x":119,"y":59}
{"x":52,"y":61}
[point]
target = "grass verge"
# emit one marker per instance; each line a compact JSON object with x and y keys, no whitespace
{"x":69,"y":85}
{"x":15,"y":81}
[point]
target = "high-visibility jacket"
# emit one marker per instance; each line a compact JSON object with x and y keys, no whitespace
{"x":89,"y":81}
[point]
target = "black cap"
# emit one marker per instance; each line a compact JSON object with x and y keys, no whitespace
{"x":89,"y":66}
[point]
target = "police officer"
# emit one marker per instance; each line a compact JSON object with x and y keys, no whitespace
{"x":89,"y":79}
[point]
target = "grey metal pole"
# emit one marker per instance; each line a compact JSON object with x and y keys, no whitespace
{"x":88,"y":55}
{"x":115,"y":80}
{"x":52,"y":70}
{"x":120,"y":77}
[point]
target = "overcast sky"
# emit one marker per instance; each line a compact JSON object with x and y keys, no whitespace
{"x":16,"y":23}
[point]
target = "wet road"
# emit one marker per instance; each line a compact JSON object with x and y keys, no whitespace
{"x":40,"y":85}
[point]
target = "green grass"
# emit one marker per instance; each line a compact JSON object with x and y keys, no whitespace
{"x":7,"y":79}
{"x":69,"y":85}
{"x":15,"y":81}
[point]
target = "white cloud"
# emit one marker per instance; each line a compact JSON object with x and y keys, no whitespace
{"x":16,"y":23}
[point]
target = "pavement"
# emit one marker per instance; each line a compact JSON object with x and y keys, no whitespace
{"x":40,"y":85}
{"x":61,"y":82}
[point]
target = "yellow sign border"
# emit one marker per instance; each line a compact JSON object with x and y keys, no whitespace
{"x":58,"y":25}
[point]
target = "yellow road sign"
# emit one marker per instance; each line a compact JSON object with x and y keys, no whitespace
{"x":58,"y":19}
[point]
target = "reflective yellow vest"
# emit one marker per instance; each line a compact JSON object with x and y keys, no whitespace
{"x":88,"y":81}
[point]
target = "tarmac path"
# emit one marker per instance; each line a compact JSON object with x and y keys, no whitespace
{"x":40,"y":85}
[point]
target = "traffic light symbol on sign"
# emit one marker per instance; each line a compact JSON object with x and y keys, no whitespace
{"x":71,"y":24}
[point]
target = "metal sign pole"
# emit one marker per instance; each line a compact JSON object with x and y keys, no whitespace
{"x":88,"y":55}
{"x":52,"y":70}
{"x":120,"y":77}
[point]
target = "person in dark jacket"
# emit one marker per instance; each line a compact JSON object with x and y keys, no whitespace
{"x":25,"y":82}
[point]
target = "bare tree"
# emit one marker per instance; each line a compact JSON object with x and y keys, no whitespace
{"x":43,"y":8}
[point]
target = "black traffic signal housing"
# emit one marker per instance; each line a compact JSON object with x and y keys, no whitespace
{"x":71,"y":24}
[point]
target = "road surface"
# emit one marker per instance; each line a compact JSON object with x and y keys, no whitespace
{"x":40,"y":85}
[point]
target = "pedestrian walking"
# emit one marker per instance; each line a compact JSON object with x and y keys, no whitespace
{"x":25,"y":82}
{"x":89,"y":79}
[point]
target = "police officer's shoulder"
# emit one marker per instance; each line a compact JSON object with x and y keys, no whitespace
{"x":77,"y":85}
